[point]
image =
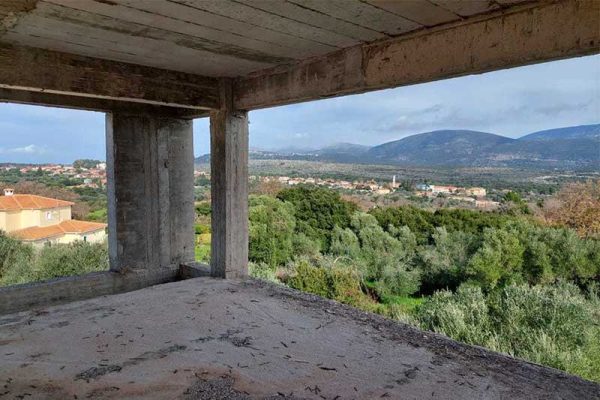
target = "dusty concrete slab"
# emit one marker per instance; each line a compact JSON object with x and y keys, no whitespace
{"x":213,"y":339}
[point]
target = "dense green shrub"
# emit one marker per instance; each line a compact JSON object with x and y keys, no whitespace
{"x":16,"y":261}
{"x":498,"y":260}
{"x":552,"y":254}
{"x":469,"y":221}
{"x":203,"y":209}
{"x":423,"y":223}
{"x":397,"y":280}
{"x":317,"y":211}
{"x":328,"y":278}
{"x":21,"y":263}
{"x":272,"y":225}
{"x":551,"y":325}
{"x":417,"y":220}
{"x":385,"y":259}
{"x":443,"y":264}
{"x":71,"y":259}
{"x":518,"y":251}
{"x":201,"y":229}
{"x":344,"y":243}
{"x":513,"y":203}
{"x":303,"y":246}
{"x":263,"y":271}
{"x":463,"y":315}
{"x":490,"y":268}
{"x":309,"y":278}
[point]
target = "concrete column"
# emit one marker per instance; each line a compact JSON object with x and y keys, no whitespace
{"x":150,"y":171}
{"x":229,"y":190}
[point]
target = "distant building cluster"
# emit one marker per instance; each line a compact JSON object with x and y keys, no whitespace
{"x":436,"y":189}
{"x":92,"y":177}
{"x":474,"y":195}
{"x":370,"y":186}
{"x":203,"y":174}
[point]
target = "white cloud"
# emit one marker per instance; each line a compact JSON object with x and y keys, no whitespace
{"x":29,"y":149}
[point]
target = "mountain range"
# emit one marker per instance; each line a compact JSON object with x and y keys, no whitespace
{"x":571,"y":147}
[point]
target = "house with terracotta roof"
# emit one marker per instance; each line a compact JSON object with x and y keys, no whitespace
{"x":44,"y":221}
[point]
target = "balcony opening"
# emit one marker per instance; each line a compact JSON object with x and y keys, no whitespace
{"x":202,"y":192}
{"x":53,"y":205}
{"x":468,"y":206}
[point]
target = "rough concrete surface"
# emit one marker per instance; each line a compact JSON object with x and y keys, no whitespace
{"x":206,"y":338}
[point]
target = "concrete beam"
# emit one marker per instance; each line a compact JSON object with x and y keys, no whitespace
{"x":524,"y":35}
{"x":229,"y":188}
{"x":194,"y":270}
{"x":150,"y":191}
{"x":95,"y":104}
{"x":37,"y":70}
{"x":12,"y":10}
{"x":63,"y":290}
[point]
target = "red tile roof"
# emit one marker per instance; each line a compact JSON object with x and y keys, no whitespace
{"x":75,"y":226}
{"x":35,"y":233}
{"x":30,"y":202}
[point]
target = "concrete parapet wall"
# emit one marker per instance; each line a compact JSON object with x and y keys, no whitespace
{"x":63,"y":290}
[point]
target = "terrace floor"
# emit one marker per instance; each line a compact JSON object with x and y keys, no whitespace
{"x":219,"y":339}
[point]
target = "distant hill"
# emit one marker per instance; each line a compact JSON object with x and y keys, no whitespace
{"x":572,"y":132}
{"x":343,"y":148}
{"x":570,"y":147}
{"x":447,"y":147}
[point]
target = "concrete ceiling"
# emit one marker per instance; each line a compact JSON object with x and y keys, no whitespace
{"x":221,"y":38}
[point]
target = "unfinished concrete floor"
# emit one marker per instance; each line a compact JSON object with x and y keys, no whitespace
{"x":214,"y":339}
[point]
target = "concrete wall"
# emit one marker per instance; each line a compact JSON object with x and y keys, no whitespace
{"x":150,"y":190}
{"x":43,"y":294}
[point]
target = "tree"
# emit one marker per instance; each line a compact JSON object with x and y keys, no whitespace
{"x":203,"y":208}
{"x":272,"y":225}
{"x":554,"y":325}
{"x":570,"y":256}
{"x":317,"y":211}
{"x":86,"y":163}
{"x":513,"y":197}
{"x":71,"y":259}
{"x":16,"y":260}
{"x":417,"y":220}
{"x":397,"y":280}
{"x":271,"y":187}
{"x":344,"y":243}
{"x":576,"y":206}
{"x":498,"y":260}
{"x":514,"y":203}
{"x":444,"y":262}
{"x":386,"y":259}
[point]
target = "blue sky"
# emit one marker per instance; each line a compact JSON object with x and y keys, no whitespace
{"x":510,"y":102}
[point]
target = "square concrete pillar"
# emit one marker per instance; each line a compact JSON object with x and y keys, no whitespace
{"x":229,"y":191}
{"x":150,"y":171}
